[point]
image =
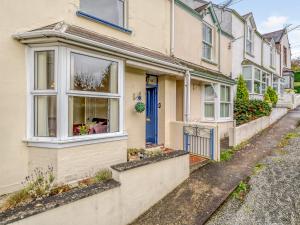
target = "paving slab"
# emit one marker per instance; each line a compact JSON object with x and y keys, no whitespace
{"x":194,"y":201}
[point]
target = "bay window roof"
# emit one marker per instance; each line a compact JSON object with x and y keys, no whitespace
{"x":65,"y":32}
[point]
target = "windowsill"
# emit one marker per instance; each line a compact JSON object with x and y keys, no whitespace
{"x":98,"y":20}
{"x":209,"y":61}
{"x":250,"y":54}
{"x":74,"y":141}
{"x":272,"y":67}
{"x":220,"y":120}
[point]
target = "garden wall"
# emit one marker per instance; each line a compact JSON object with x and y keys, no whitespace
{"x":244,"y":132}
{"x":139,"y":185}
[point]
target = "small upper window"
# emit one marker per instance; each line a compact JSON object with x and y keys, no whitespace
{"x":109,"y":10}
{"x":249,"y":40}
{"x":272,"y":56}
{"x":285,"y":56}
{"x":207,"y":42}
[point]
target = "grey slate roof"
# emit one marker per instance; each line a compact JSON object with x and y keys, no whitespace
{"x":276,"y":35}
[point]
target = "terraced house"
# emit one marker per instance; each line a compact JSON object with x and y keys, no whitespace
{"x":80,"y":68}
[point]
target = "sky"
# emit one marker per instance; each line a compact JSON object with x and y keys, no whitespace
{"x":271,"y":15}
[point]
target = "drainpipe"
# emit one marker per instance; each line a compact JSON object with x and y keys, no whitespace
{"x":172,"y":28}
{"x":187,"y":96}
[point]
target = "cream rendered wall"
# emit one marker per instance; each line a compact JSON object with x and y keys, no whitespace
{"x":226,"y":55}
{"x":167,"y":111}
{"x":237,"y":46}
{"x":196,"y":105}
{"x":150,"y":30}
{"x":188,"y":42}
{"x":179,"y":100}
{"x":135,"y":123}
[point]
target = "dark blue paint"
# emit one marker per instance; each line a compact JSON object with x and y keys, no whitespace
{"x":151,"y":114}
{"x":98,"y":20}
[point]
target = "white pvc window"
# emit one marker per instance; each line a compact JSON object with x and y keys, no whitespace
{"x":209,"y":102}
{"x":257,"y":81}
{"x":112,"y":11}
{"x":207,"y":42}
{"x":73,"y":95}
{"x":272,"y":56}
{"x":93,"y":105}
{"x":225,"y":101}
{"x":249,"y":40}
{"x":247,"y":74}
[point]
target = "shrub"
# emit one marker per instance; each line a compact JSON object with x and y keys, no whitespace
{"x":242,"y":93}
{"x":267,"y":98}
{"x":247,"y":111}
{"x":273,"y":95}
{"x":297,"y":76}
{"x":103,"y":175}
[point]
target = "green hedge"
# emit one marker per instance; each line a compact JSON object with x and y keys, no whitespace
{"x":297,"y":89}
{"x":246,"y":111}
{"x":297,"y":76}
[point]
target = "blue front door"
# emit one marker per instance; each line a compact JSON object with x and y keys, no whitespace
{"x":151,"y":115}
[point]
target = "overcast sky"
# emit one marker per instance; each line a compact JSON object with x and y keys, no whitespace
{"x":271,"y":15}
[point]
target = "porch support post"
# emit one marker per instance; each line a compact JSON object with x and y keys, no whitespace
{"x":187,"y":96}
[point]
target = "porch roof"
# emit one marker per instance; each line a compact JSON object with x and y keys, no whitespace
{"x":208,"y":74}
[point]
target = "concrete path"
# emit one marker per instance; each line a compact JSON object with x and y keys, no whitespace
{"x":197,"y":198}
{"x":274,"y":196}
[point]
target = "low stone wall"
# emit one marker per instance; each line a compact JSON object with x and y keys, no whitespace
{"x":244,"y":132}
{"x":139,"y":185}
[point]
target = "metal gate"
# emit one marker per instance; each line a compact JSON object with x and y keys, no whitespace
{"x":199,"y":140}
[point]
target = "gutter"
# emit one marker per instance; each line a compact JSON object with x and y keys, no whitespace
{"x":48,"y":33}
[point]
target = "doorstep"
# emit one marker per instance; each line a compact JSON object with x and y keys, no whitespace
{"x":197,"y":162}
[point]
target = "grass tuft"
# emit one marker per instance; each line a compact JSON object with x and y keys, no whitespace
{"x":241,"y":191}
{"x":258,"y":168}
{"x":285,"y":140}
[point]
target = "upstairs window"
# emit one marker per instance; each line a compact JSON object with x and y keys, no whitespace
{"x":249,"y":40}
{"x":207,"y":42}
{"x":285,"y":56}
{"x":111,"y":11}
{"x":272,"y":56}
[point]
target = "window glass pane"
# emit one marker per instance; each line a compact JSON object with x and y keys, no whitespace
{"x":209,"y":110}
{"x":257,"y":87}
{"x":264,"y":77}
{"x":108,"y":10}
{"x":249,"y":85}
{"x":249,"y":46}
{"x":44,"y":70}
{"x":257,"y":74}
{"x":209,"y":93}
{"x":89,"y":116}
{"x":223,"y":93}
{"x":45,"y":116}
{"x":207,"y":51}
{"x":224,"y":111}
{"x":93,"y":74}
{"x":247,"y":72}
{"x":207,"y":34}
{"x":228,"y":94}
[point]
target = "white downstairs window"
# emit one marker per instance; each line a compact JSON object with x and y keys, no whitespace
{"x":78,"y":98}
{"x":209,"y":102}
{"x":225,"y":101}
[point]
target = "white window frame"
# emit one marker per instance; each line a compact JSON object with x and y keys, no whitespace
{"x":256,"y":80}
{"x":250,"y":39}
{"x":209,"y":102}
{"x":251,"y":80}
{"x":62,"y":90}
{"x":204,"y":42}
{"x":226,"y":102}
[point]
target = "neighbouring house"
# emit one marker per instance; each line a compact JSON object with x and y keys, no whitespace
{"x":283,"y":46}
{"x":74,"y":71}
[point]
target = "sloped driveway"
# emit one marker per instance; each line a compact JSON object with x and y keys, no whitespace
{"x":197,"y":198}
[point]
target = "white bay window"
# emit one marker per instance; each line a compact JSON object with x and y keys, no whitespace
{"x":77,"y":96}
{"x":225,"y":101}
{"x":209,"y":102}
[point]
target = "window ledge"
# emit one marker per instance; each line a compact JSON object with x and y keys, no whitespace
{"x":209,"y":61}
{"x":98,"y":20}
{"x":272,"y":67}
{"x":71,"y":142}
{"x":225,"y":120}
{"x":250,"y":54}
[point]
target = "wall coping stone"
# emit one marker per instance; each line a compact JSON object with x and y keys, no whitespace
{"x":39,"y":206}
{"x":138,"y":163}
